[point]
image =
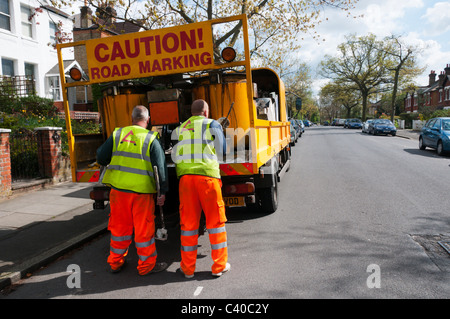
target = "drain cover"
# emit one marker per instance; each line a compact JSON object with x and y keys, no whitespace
{"x":445,"y":245}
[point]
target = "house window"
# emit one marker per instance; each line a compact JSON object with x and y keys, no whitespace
{"x":27,"y":25}
{"x":29,"y":71}
{"x":53,"y":30}
{"x":8,"y":67}
{"x":5,"y":17}
{"x":440,"y":95}
{"x":55,"y":91}
{"x":29,"y":78}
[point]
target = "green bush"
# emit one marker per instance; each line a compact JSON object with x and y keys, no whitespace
{"x":32,"y":105}
{"x":20,"y":124}
{"x":441,"y":113}
{"x":38,"y":106}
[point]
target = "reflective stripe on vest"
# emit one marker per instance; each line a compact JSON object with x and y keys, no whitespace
{"x":195,"y":153}
{"x":131,"y":159}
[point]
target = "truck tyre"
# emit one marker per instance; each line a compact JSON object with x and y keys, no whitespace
{"x":268,"y":198}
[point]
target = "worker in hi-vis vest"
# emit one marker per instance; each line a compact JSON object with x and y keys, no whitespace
{"x":199,"y":141}
{"x":131,"y":153}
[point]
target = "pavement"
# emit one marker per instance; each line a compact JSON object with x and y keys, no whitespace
{"x":409,"y":134}
{"x":38,"y":227}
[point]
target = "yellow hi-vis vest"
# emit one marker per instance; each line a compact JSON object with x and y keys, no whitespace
{"x":195,"y":153}
{"x":130,"y":167}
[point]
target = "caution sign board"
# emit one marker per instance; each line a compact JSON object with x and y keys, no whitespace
{"x":178,"y":49}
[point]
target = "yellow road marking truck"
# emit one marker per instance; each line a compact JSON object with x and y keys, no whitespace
{"x":166,"y":70}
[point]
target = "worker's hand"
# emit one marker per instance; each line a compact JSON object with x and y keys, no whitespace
{"x":160,"y":200}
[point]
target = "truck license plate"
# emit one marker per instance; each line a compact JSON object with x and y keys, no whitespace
{"x":234,"y":201}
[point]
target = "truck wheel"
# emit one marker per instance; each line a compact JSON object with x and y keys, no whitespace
{"x":268,"y":198}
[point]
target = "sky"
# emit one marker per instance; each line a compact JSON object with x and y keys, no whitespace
{"x":420,"y":22}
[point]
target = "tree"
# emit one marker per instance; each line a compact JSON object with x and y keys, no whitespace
{"x":402,"y":64}
{"x":328,"y":108}
{"x":271,"y":22}
{"x":359,"y":63}
{"x":342,"y":95}
{"x":296,"y":76}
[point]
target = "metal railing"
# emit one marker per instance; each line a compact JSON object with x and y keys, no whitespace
{"x":16,"y":86}
{"x":24,"y":155}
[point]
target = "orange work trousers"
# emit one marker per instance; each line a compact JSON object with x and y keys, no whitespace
{"x":199,"y":193}
{"x":132,"y":212}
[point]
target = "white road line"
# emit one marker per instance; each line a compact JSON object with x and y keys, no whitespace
{"x":198,"y":291}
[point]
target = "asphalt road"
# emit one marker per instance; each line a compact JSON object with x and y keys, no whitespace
{"x":359,"y":217}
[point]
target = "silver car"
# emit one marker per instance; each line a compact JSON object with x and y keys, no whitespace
{"x":365,"y":127}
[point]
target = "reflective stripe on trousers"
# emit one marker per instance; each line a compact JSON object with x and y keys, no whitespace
{"x":132,"y":212}
{"x":199,"y":193}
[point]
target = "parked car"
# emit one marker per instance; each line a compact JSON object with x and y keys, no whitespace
{"x":302,"y":126}
{"x":353,"y":123}
{"x":382,"y":126}
{"x":307,"y":123}
{"x":295,"y":131}
{"x":334,"y":122}
{"x":365,"y":126}
{"x":326,"y":123}
{"x":436,"y":134}
{"x":340,"y":122}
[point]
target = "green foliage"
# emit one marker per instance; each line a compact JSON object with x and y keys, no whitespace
{"x":25,"y":121}
{"x":441,"y":113}
{"x":32,"y":105}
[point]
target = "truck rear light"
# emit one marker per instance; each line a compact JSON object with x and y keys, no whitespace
{"x":239,"y":189}
{"x":99,"y":194}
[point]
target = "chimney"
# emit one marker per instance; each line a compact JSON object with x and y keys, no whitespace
{"x":85,"y":17}
{"x":447,"y":70}
{"x":107,"y":14}
{"x":441,"y":78}
{"x":432,"y":77}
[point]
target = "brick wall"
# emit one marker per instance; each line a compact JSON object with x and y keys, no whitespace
{"x":5,"y":163}
{"x":52,"y":164}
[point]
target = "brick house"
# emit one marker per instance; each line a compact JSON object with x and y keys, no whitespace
{"x":435,"y":96}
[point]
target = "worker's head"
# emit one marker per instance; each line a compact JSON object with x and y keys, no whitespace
{"x":200,"y":108}
{"x":140,"y":116}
